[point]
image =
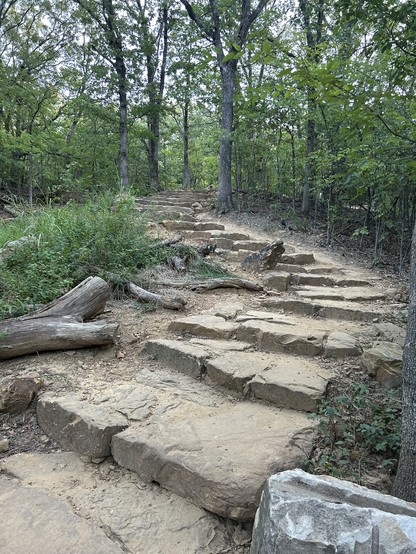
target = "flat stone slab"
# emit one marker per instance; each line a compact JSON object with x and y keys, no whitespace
{"x":209,"y":226}
{"x":391,"y":332}
{"x":324,"y":309}
{"x":219,"y":346}
{"x":300,"y":512}
{"x":273,"y":337}
{"x":186,"y":358}
{"x":143,"y":518}
{"x":341,"y":345}
{"x":229,"y":235}
{"x":212,"y":461}
{"x":298,"y":258}
{"x":354,"y":294}
{"x":35,"y":522}
{"x":252,"y":245}
{"x":208,"y":326}
{"x":79,"y":426}
{"x":178,"y":225}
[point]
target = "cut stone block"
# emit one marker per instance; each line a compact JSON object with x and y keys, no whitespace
{"x":197,"y":235}
{"x":141,"y":519}
{"x":220,"y":346}
{"x":39,"y":523}
{"x":176,"y":225}
{"x":290,"y":383}
{"x":183,"y":357}
{"x":317,"y":293}
{"x":221,"y":242}
{"x":384,"y":361}
{"x":229,"y":235}
{"x":209,"y":226}
{"x":311,"y":279}
{"x":219,"y":462}
{"x":290,"y":268}
{"x":227,"y":310}
{"x":208,"y":326}
{"x":341,"y":345}
{"x":233,"y":370}
{"x":301,"y":307}
{"x":276,"y":280}
{"x":79,"y":426}
{"x":298,"y":258}
{"x":312,"y":514}
{"x":273,"y":337}
{"x":251,"y":245}
{"x":348,"y":314}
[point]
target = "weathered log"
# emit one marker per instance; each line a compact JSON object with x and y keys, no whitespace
{"x":59,"y":325}
{"x":143,"y":295}
{"x":85,"y":301}
{"x":266,"y":258}
{"x":169,"y":242}
{"x":232,"y":282}
{"x":25,"y":336}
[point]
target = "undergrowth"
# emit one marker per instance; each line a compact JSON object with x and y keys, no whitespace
{"x":66,"y":245}
{"x":359,"y":432}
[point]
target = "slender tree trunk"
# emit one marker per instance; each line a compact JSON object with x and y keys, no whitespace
{"x":122,"y":94}
{"x":310,"y":149}
{"x":405,"y":484}
{"x":153,"y":148}
{"x":228,"y":73}
{"x":186,"y":168}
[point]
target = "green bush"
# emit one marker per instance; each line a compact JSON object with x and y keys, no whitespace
{"x":68,"y":244}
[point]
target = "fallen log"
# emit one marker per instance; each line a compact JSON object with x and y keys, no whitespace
{"x":266,"y":258}
{"x":178,"y":264}
{"x":176,"y":303}
{"x":60,"y":324}
{"x":232,"y":282}
{"x":169,"y":242}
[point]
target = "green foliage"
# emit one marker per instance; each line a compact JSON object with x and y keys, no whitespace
{"x":355,"y":426}
{"x":68,"y":244}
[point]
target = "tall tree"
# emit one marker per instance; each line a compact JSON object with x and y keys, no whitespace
{"x":214,"y":27}
{"x":153,"y":24}
{"x":111,"y":48}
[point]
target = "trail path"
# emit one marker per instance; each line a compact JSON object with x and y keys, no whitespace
{"x":168,"y":438}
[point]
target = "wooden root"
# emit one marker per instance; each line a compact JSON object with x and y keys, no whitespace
{"x":143,"y":295}
{"x":232,"y":282}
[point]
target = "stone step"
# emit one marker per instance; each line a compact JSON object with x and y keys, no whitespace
{"x":315,"y":279}
{"x":325,"y":309}
{"x":251,"y":245}
{"x":298,"y":258}
{"x":353,"y":294}
{"x":230,"y":235}
{"x":285,"y":382}
{"x":272,"y":333}
{"x":137,"y":518}
{"x":35,"y":522}
{"x":211,"y":459}
{"x":160,"y":208}
{"x":163,"y":214}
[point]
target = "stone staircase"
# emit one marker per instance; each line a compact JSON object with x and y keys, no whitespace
{"x":226,"y":400}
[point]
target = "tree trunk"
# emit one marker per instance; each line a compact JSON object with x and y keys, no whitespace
{"x":228,"y":73}
{"x":59,"y":324}
{"x":405,"y":484}
{"x":310,"y":149}
{"x":186,"y":169}
{"x":122,"y":93}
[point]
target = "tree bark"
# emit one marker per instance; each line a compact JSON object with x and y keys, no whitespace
{"x":405,"y":484}
{"x":186,"y":182}
{"x":59,"y":325}
{"x":143,"y":295}
{"x":228,"y":74}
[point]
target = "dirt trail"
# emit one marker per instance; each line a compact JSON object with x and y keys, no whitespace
{"x":158,"y":399}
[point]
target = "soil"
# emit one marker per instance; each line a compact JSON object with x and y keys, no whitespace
{"x":91,"y":370}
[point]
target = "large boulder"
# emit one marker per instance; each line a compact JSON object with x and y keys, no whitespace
{"x":384,"y":361}
{"x":306,"y":514}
